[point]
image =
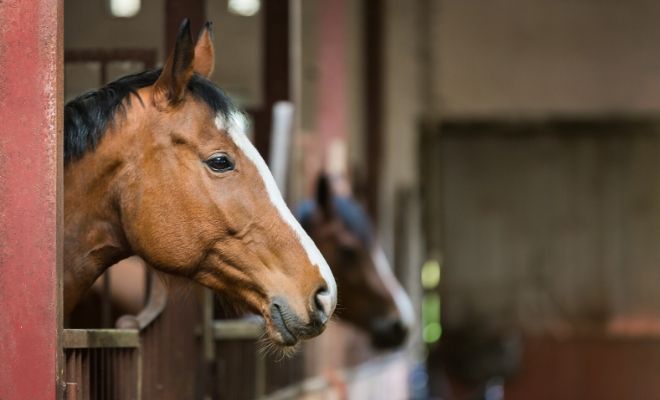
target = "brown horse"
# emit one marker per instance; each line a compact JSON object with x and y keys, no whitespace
{"x":158,"y":165}
{"x":371,"y":297}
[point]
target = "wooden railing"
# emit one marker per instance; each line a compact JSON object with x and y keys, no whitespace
{"x":151,"y":355}
{"x":101,"y":364}
{"x":104,"y":57}
{"x":108,"y":363}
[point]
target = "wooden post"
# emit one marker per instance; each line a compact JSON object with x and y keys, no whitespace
{"x":175,"y":12}
{"x":333,"y":97}
{"x":30,"y":202}
{"x":374,"y":92}
{"x":275,"y":70}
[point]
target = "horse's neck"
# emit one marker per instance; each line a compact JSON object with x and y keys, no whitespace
{"x":93,"y":238}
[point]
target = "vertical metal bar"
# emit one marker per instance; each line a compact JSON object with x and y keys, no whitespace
{"x":107,"y":373}
{"x":85,"y":374}
{"x":124,"y":373}
{"x":97,"y":376}
{"x":30,"y":247}
{"x":260,"y":375}
{"x":120,"y":383}
{"x":68,"y":367}
{"x":207,"y":326}
{"x":71,"y":391}
{"x":138,"y":369}
{"x":111,"y":378}
{"x":103,"y":374}
{"x":78,"y":367}
{"x":114,"y":364}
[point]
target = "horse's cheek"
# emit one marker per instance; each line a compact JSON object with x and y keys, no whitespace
{"x":162,"y":237}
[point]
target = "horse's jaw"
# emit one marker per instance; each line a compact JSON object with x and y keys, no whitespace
{"x":93,"y":238}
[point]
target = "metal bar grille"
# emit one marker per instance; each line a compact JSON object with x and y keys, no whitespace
{"x":101,"y":364}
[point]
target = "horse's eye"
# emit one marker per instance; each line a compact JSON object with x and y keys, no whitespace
{"x":220,"y":163}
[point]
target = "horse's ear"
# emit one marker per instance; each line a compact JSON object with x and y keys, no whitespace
{"x":204,"y":53}
{"x":178,"y":69}
{"x":324,"y":195}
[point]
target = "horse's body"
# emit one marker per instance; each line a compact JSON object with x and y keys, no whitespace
{"x":158,"y":165}
{"x":371,"y":297}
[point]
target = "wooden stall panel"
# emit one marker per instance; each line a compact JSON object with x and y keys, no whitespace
{"x":586,"y":368}
{"x":550,"y":224}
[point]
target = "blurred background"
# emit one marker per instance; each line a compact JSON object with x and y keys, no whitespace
{"x":507,"y":153}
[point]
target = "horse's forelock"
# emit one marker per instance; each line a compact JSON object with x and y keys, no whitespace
{"x":87,"y":116}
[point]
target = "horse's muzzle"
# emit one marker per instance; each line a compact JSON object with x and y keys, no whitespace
{"x":388,"y":333}
{"x":291,"y":327}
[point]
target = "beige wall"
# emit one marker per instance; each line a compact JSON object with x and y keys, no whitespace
{"x":546,"y":56}
{"x":402,"y":109}
{"x":309,"y":68}
{"x":88,"y":24}
{"x":399,"y":226}
{"x":355,"y":86}
{"x":238,"y":53}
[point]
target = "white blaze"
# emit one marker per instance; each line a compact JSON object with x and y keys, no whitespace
{"x":401,"y":299}
{"x":235,"y":128}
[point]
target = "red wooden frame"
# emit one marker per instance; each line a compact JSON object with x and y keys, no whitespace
{"x":30,"y":202}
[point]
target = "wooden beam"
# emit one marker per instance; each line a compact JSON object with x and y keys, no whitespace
{"x":275,"y":69}
{"x":332,"y":97}
{"x":176,"y":11}
{"x":373,"y":97}
{"x":100,"y":338}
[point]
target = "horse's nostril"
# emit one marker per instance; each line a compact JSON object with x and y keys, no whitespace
{"x":389,"y":333}
{"x":323,"y":303}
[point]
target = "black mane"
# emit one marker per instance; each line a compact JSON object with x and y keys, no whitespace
{"x":87,"y":116}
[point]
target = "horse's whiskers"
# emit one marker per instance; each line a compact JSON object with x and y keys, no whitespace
{"x":267,"y":348}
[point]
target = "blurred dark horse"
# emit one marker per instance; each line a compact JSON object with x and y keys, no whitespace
{"x":370,"y":296}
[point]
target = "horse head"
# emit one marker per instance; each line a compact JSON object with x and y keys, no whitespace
{"x":371,"y":297}
{"x":158,"y":165}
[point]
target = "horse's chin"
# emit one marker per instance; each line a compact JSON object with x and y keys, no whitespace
{"x":279,"y":343}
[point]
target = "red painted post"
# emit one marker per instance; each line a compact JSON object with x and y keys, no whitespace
{"x":333,"y":99}
{"x":30,"y":174}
